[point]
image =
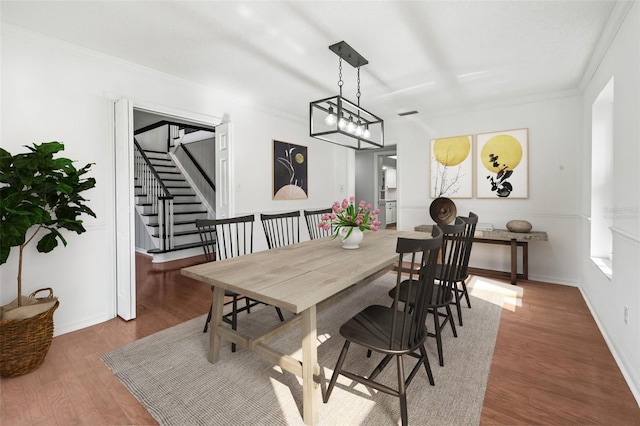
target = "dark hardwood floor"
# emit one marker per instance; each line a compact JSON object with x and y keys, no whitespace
{"x":551,"y":365}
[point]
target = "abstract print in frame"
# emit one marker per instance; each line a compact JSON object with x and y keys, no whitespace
{"x":451,"y":167}
{"x":289,"y":171}
{"x":503,"y":164}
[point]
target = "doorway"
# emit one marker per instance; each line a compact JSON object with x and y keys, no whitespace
{"x":376,"y":181}
{"x":125,"y":285}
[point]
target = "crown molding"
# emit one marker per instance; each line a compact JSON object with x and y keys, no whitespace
{"x":617,"y":17}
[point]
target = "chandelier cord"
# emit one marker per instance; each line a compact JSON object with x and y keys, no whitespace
{"x":358,"y":92}
{"x":340,"y":82}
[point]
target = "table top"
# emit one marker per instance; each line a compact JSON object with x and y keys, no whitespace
{"x":298,"y":276}
{"x":499,"y":234}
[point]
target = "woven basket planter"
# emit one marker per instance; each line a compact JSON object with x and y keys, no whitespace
{"x":24,"y":343}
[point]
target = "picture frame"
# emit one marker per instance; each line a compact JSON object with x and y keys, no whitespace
{"x":290,"y":171}
{"x":451,"y":167}
{"x":502,"y":164}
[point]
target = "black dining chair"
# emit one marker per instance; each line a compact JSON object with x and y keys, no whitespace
{"x":224,"y":239}
{"x":281,"y":229}
{"x":451,"y":255}
{"x":462,"y":272}
{"x":392,"y":331}
{"x":313,"y":218}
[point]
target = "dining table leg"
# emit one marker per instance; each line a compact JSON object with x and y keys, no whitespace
{"x":310,"y":394}
{"x":216,"y":320}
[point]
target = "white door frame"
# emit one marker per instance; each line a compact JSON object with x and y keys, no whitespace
{"x":376,"y":179}
{"x":125,"y":285}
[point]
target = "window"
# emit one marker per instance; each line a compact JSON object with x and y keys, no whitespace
{"x":602,"y":179}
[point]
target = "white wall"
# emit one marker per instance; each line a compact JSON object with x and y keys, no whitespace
{"x":607,"y":298}
{"x":555,"y":145}
{"x":56,"y":91}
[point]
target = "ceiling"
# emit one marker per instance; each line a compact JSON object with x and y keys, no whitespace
{"x":428,"y":56}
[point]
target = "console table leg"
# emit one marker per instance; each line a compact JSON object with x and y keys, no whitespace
{"x":514,"y":261}
{"x":525,"y":260}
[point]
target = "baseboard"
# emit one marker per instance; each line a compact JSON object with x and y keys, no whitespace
{"x":632,"y":382}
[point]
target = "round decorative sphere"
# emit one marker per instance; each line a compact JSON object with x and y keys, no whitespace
{"x":519,"y":226}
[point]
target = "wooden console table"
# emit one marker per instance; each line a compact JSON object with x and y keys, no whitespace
{"x":507,"y":238}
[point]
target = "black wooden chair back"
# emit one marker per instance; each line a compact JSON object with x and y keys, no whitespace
{"x":313,"y":218}
{"x":469,"y":232}
{"x":223,"y":239}
{"x":281,"y":229}
{"x":451,"y":257}
{"x":408,"y":326}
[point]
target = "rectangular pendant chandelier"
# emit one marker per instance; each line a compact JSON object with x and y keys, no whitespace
{"x":342,"y":122}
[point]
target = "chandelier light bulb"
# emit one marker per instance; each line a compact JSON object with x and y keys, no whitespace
{"x":342,"y":123}
{"x":331,"y":118}
{"x":359,"y":129}
{"x":351,"y":126}
{"x":366,"y":133}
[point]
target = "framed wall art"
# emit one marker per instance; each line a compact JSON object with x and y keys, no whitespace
{"x":452,"y":167}
{"x":289,"y":171}
{"x":502,"y":164}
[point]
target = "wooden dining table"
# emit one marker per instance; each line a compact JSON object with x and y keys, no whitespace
{"x":299,"y":278}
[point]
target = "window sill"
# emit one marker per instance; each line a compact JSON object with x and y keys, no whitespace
{"x":604,"y":265}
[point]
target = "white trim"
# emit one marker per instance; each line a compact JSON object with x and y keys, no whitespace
{"x":625,"y":235}
{"x":201,"y":197}
{"x":617,"y":17}
{"x":622,"y":363}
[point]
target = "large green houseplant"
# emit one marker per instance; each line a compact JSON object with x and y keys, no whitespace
{"x":37,"y":193}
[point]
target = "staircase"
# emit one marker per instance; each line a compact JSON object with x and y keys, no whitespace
{"x":179,"y":225}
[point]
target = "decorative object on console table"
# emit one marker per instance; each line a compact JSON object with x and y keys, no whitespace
{"x":484,"y":227}
{"x":38,"y":192}
{"x":452,"y":167}
{"x":502,"y":164}
{"x":519,"y":226}
{"x":443,"y":211}
{"x":289,"y":171}
{"x":346,"y":220}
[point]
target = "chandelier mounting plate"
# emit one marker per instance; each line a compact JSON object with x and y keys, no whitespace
{"x":348,"y":53}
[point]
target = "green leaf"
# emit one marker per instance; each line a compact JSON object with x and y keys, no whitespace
{"x":47,"y":243}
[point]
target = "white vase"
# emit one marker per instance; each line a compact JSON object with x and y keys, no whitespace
{"x":353,"y":240}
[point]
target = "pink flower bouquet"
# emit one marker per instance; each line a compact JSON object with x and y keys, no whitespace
{"x":347,"y":215}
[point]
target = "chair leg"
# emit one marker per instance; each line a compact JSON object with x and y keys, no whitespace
{"x":380,"y":367}
{"x":436,"y":323}
{"x":466,"y":294}
{"x":457,"y":294}
{"x":206,"y":323}
{"x":336,"y":371}
{"x":279,"y":314}
{"x":427,"y":366}
{"x":450,"y":319}
{"x":402,"y":391}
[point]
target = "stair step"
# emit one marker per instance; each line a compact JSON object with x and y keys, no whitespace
{"x":177,"y":247}
{"x":179,"y":234}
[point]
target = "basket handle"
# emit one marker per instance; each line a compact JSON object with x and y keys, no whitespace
{"x":33,"y":295}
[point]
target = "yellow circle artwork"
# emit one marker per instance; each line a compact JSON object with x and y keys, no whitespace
{"x":508,"y":150}
{"x":299,"y":158}
{"x":451,"y":151}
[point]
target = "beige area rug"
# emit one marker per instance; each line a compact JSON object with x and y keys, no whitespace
{"x":169,"y":374}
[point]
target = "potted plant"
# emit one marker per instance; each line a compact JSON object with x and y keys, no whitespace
{"x":37,"y":193}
